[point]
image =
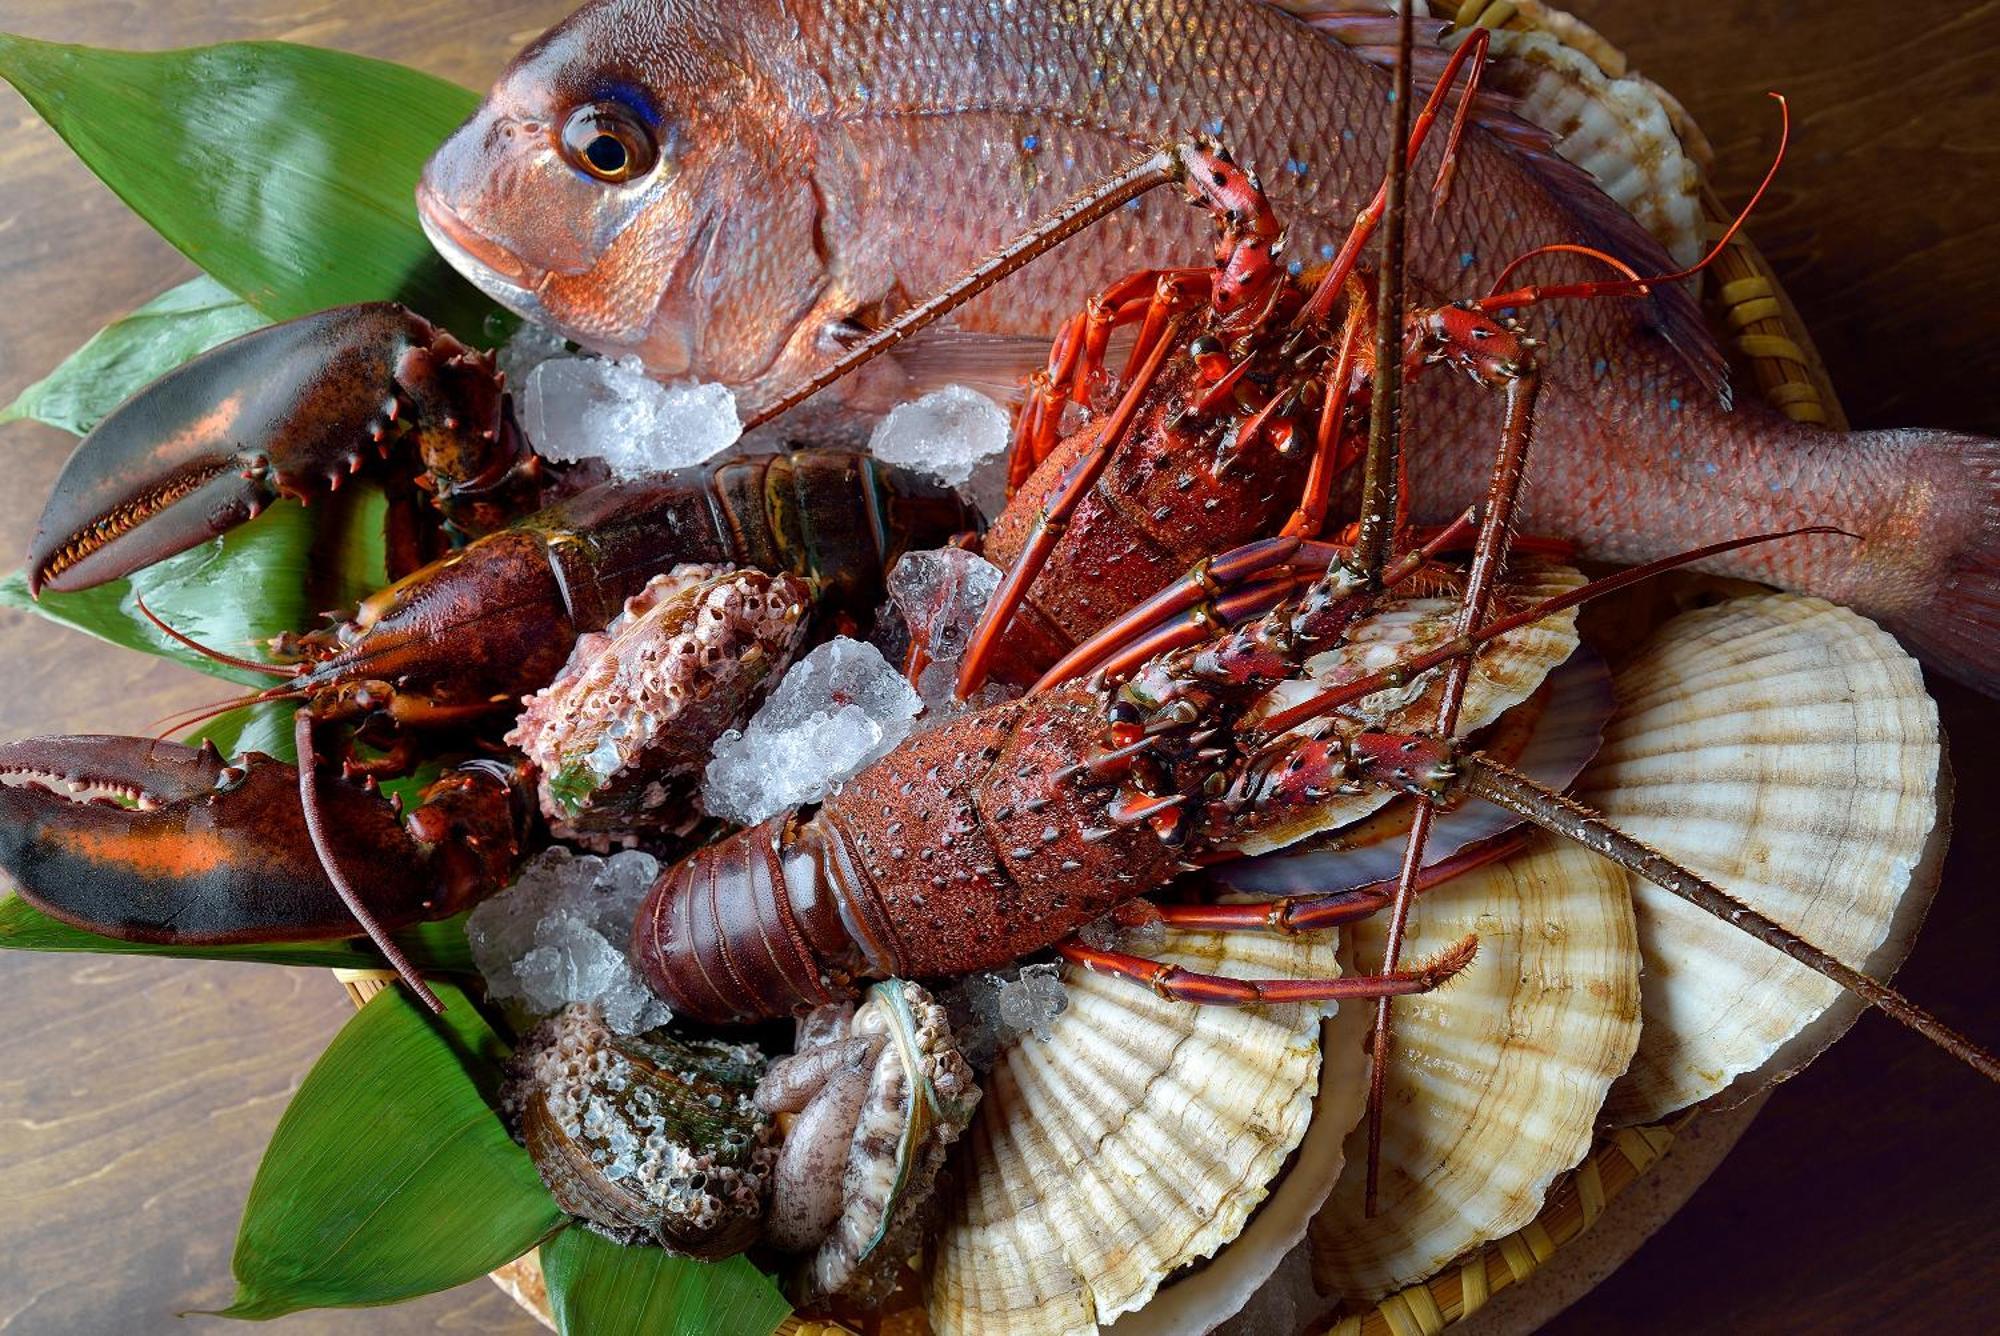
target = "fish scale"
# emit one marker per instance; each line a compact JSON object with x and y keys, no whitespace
{"x":834,"y":162}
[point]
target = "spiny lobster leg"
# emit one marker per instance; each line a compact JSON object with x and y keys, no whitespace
{"x":1309,"y":517}
{"x":152,"y":841}
{"x":1330,"y":909}
{"x":1076,"y":358}
{"x":1473,"y":51}
{"x":1053,"y":519}
{"x":289,"y":410}
{"x":1193,"y":607}
{"x":1179,"y":984}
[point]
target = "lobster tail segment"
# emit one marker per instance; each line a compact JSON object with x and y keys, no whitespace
{"x":750,"y":927}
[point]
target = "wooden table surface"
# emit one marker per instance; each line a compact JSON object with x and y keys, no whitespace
{"x":135,"y":1096}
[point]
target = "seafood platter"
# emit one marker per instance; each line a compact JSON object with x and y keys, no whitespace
{"x":989,"y":674}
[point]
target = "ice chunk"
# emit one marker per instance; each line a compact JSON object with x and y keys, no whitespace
{"x":940,"y":596}
{"x":588,"y":407}
{"x":561,"y":932}
{"x":837,"y":710}
{"x":949,"y":433}
{"x":528,"y":347}
{"x":995,"y":1010}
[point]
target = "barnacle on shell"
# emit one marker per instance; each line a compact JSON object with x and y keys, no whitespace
{"x":652,"y":1139}
{"x":621,"y":735}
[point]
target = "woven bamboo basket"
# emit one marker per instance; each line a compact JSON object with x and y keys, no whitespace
{"x":1765,"y":338}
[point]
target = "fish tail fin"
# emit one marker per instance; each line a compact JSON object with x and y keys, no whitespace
{"x":1954,"y":626}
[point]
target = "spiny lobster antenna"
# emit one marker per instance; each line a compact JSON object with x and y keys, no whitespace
{"x":1379,"y":477}
{"x":1488,"y":779}
{"x":1157,"y":169}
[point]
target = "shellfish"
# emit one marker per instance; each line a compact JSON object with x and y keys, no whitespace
{"x":1786,"y":748}
{"x":1499,"y":1077}
{"x":1135,"y":1139}
{"x":880,"y":1091}
{"x":652,"y":1139}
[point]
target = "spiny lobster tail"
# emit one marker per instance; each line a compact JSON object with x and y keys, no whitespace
{"x":748,"y":928}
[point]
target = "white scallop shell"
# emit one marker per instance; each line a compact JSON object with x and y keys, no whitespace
{"x":1506,"y":671}
{"x":1138,"y":1137}
{"x":1497,"y":1077}
{"x":1785,"y":749}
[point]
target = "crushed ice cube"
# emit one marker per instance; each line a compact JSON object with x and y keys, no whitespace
{"x":836,"y":711}
{"x":940,"y":596}
{"x":992,"y":1011}
{"x":957,"y":435}
{"x":560,"y":934}
{"x":589,"y":407}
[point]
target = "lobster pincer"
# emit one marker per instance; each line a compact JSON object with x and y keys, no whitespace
{"x":152,"y":841}
{"x":290,"y":410}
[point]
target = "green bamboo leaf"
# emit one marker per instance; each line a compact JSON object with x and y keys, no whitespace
{"x":132,"y":351}
{"x":258,"y":580}
{"x":286,"y":172}
{"x":598,"y":1288}
{"x":265,"y":727}
{"x":433,"y":947}
{"x":390,"y":1174}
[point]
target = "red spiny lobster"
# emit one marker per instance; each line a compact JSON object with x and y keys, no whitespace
{"x":1007,"y":829}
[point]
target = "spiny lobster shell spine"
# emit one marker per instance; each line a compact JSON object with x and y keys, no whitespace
{"x":1162,"y":504}
{"x":972,"y":844}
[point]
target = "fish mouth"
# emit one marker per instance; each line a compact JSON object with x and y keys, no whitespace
{"x":478,"y":258}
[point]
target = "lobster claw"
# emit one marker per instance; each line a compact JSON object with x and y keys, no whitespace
{"x":281,"y":411}
{"x":169,"y":844}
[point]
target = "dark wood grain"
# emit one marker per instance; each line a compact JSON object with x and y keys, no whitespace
{"x":135,"y":1096}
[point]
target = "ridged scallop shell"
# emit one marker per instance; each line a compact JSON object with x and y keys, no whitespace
{"x":1506,"y":672}
{"x":1785,"y":749}
{"x":1622,"y":128}
{"x":1497,"y":1077}
{"x":1138,"y":1137}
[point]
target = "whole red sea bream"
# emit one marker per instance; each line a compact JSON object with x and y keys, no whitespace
{"x":801,"y":171}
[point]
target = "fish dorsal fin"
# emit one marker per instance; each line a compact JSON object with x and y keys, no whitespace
{"x":1594,"y":118}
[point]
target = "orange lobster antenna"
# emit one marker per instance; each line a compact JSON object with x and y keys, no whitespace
{"x":1633,"y":285}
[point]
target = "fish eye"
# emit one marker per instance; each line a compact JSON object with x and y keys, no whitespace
{"x":607,"y":141}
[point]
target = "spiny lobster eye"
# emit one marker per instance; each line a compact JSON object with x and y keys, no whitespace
{"x":607,"y":141}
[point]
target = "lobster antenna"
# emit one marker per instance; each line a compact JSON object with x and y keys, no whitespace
{"x":174,"y":723}
{"x":1385,"y":417}
{"x":1488,"y":779}
{"x":302,"y":735}
{"x":215,"y":655}
{"x":1156,"y":169}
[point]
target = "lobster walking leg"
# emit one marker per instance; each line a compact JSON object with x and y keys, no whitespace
{"x":1179,"y":984}
{"x":329,"y":859}
{"x":1315,"y":913}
